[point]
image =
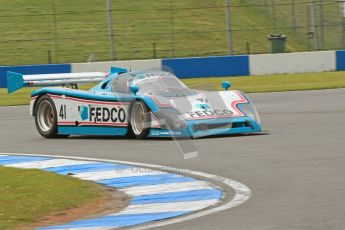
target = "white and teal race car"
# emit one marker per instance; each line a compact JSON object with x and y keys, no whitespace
{"x":149,"y":103}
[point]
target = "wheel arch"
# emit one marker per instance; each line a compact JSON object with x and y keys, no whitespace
{"x":33,"y":109}
{"x":148,"y":102}
{"x":46,"y":130}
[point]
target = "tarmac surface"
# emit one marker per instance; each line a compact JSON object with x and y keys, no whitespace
{"x":295,"y":171}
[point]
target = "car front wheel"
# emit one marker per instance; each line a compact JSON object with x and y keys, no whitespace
{"x":140,"y":120}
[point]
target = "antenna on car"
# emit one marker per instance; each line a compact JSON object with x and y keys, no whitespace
{"x":130,"y":66}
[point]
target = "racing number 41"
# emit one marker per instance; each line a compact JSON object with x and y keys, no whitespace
{"x":62,"y":112}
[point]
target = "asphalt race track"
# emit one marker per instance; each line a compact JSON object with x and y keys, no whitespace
{"x":295,"y":171}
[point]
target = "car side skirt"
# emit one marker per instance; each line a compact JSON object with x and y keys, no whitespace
{"x":96,"y":131}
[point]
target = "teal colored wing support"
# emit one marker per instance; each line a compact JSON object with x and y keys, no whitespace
{"x":117,"y":70}
{"x":14,"y":81}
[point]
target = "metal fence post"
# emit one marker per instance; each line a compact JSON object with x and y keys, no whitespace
{"x":266,"y":7}
{"x":308,"y":26}
{"x":313,"y":24}
{"x":55,"y":32}
{"x":172,"y":29}
{"x":274,"y":16}
{"x":154,"y":51}
{"x":111,"y":32}
{"x":293,"y":12}
{"x":342,"y":7}
{"x":49,"y":57}
{"x":322,"y":33}
{"x":228,"y":26}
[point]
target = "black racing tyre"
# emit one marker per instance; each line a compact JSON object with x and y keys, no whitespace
{"x":46,"y":117}
{"x":139,"y":120}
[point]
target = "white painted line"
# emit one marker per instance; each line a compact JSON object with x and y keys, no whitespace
{"x":96,"y":228}
{"x":242,"y":192}
{"x":242,"y":195}
{"x":116,"y":173}
{"x":165,"y":188}
{"x":170,"y":207}
{"x":47,"y":164}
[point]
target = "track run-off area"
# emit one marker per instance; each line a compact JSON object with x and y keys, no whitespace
{"x":294,"y":170}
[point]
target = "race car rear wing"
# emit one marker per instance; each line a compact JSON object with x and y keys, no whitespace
{"x":16,"y":81}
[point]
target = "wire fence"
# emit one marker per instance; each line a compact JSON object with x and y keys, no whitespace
{"x":62,"y":31}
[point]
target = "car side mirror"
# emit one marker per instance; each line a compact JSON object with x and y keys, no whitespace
{"x":134,"y":89}
{"x":226,"y":85}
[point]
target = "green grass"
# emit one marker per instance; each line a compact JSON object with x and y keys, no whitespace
{"x":27,"y":195}
{"x":21,"y":97}
{"x":274,"y":83}
{"x":199,"y":31}
{"x":248,"y":84}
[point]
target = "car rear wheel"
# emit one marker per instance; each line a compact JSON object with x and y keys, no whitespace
{"x":46,"y":117}
{"x":140,"y":119}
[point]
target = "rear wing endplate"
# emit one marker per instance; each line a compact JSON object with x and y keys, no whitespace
{"x":16,"y":81}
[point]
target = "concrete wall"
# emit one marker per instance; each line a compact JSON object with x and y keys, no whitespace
{"x":105,"y":66}
{"x":292,"y":63}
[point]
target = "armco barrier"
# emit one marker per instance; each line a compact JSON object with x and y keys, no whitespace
{"x":183,"y":67}
{"x":105,"y":66}
{"x":97,"y":66}
{"x":340,"y":59}
{"x":209,"y":66}
{"x":292,"y":63}
{"x":263,"y":64}
{"x":32,"y":69}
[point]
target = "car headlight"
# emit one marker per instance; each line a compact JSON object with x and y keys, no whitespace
{"x":250,"y":111}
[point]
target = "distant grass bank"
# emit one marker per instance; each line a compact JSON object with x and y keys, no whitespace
{"x":248,"y":84}
{"x":27,"y":195}
{"x":71,"y":31}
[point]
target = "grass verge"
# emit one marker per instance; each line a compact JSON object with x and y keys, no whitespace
{"x":250,"y":84}
{"x":274,"y":83}
{"x":28,"y":195}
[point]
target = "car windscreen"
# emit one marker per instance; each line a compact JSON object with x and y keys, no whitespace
{"x":120,"y":84}
{"x":164,"y":84}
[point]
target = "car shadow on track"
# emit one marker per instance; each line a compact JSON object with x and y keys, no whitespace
{"x":235,"y":135}
{"x":163,"y":138}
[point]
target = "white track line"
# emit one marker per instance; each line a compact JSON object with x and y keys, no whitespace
{"x":96,"y":228}
{"x":165,"y":188}
{"x":242,"y":192}
{"x":47,"y":164}
{"x":188,"y":206}
{"x":116,"y":173}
